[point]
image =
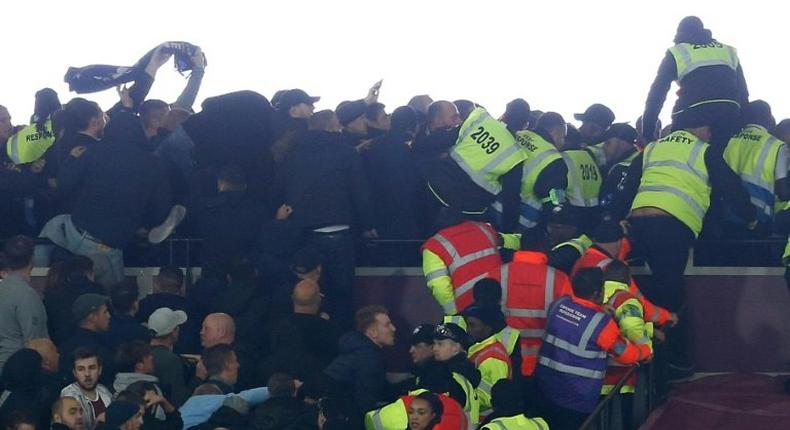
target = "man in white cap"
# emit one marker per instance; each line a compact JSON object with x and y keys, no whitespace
{"x":164,"y":324}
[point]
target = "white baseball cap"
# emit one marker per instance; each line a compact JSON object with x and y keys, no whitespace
{"x":164,"y":320}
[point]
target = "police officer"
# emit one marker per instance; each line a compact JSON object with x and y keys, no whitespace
{"x":584,"y":182}
{"x":567,"y":242}
{"x":619,"y":148}
{"x":450,"y":343}
{"x":710,"y":78}
{"x":596,"y":119}
{"x":509,"y":410}
{"x":673,"y":179}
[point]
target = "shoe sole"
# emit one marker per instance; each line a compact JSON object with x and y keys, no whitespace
{"x":161,"y":232}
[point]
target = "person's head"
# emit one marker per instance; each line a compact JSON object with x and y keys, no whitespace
{"x":206,"y":389}
{"x":692,"y":30}
{"x":50,"y":358}
{"x":325,"y":120}
{"x":138,"y":392}
{"x":296,"y":102}
{"x":617,"y":271}
{"x":125,"y":297}
{"x":281,"y":385}
{"x":124,"y":415}
{"x":482,"y":321}
{"x":152,"y":115}
{"x":759,"y":112}
{"x":535,"y":240}
{"x":449,"y":340}
{"x":221,"y":363}
{"x":404,"y":119}
{"x":46,"y":103}
{"x":619,"y":142}
{"x":218,"y":328}
{"x":241,"y":271}
{"x":465,"y":107}
{"x":506,"y":398}
{"x":92,"y":312}
{"x":86,"y":367}
{"x":84,"y":116}
{"x":170,"y":280}
{"x":608,"y":235}
{"x":307,"y":297}
{"x":307,"y":263}
{"x":442,"y":115}
{"x":487,"y":292}
{"x":425,"y":411}
{"x":6,"y":128}
{"x":695,"y":122}
{"x":377,"y":117}
{"x":516,"y":115}
{"x":552,"y":125}
{"x":352,"y":117}
{"x":18,"y":255}
{"x":77,"y":268}
{"x":68,"y":411}
{"x":21,"y":420}
{"x":374,"y":322}
{"x":421,"y":349}
{"x":231,"y":178}
{"x":164,"y":324}
{"x":595,"y":120}
{"x":420,"y":103}
{"x":134,"y":357}
{"x":588,"y":284}
{"x":22,"y":370}
{"x":782,"y":131}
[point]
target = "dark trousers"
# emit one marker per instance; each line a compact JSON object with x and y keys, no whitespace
{"x":337,"y":273}
{"x":724,"y":119}
{"x":664,"y":242}
{"x":560,"y":418}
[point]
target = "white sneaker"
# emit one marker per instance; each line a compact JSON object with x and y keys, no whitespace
{"x":161,"y":232}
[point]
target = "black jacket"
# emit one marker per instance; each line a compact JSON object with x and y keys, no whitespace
{"x":394,"y":185}
{"x":704,"y":83}
{"x":324,"y":182}
{"x":283,"y":413}
{"x":29,"y":391}
{"x":442,"y":381}
{"x":359,"y":370}
{"x":120,"y":187}
{"x":58,"y":302}
{"x":124,"y":329}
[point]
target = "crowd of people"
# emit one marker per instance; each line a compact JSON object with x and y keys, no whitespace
{"x":528,"y":223}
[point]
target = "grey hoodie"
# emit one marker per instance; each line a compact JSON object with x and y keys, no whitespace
{"x":125,"y":379}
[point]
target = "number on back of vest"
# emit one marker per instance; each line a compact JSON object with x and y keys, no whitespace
{"x":483,"y":138}
{"x":589,"y":172}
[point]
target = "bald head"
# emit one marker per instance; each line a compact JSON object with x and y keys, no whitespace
{"x":307,"y":297}
{"x":217,"y":328}
{"x":420,"y":103}
{"x":67,"y":411}
{"x":443,"y":115}
{"x":48,"y":352}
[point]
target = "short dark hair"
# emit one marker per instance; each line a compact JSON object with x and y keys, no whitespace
{"x":123,"y":295}
{"x":306,"y":259}
{"x":587,"y":282}
{"x":132,"y":395}
{"x":84,"y":352}
{"x":281,"y":385}
{"x":18,"y":252}
{"x":19,"y":417}
{"x":435,"y":108}
{"x":404,"y":118}
{"x":534,"y":239}
{"x":372,"y":112}
{"x":617,"y":271}
{"x":366,"y":316}
{"x":131,"y":353}
{"x":151,"y":105}
{"x":77,"y":114}
{"x":170,"y":278}
{"x":783,"y":128}
{"x":516,"y":114}
{"x":216,"y":357}
{"x":548,"y":121}
{"x":487,"y":292}
{"x":78,"y":265}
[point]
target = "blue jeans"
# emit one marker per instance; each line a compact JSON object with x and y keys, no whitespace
{"x":107,"y":261}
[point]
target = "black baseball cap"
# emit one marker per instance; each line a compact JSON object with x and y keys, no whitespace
{"x":348,"y":111}
{"x":608,"y":231}
{"x":564,"y":215}
{"x":453,"y":332}
{"x":422,"y":334}
{"x":623,"y":131}
{"x":598,"y":114}
{"x":87,"y":304}
{"x":288,"y":98}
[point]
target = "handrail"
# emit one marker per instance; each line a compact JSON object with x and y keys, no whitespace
{"x":608,"y":399}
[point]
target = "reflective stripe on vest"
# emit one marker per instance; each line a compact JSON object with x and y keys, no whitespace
{"x":675,"y":179}
{"x":690,"y":57}
{"x":541,"y":154}
{"x":438,"y":273}
{"x":486,"y":150}
{"x":548,"y":295}
{"x":584,"y":178}
{"x":603,"y":263}
{"x":573,"y":370}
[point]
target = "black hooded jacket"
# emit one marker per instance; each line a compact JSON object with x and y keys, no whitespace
{"x":24,"y":382}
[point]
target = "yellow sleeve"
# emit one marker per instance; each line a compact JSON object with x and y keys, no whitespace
{"x":390,"y":417}
{"x":631,"y":320}
{"x":438,"y":279}
{"x":491,"y":371}
{"x":511,"y":241}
